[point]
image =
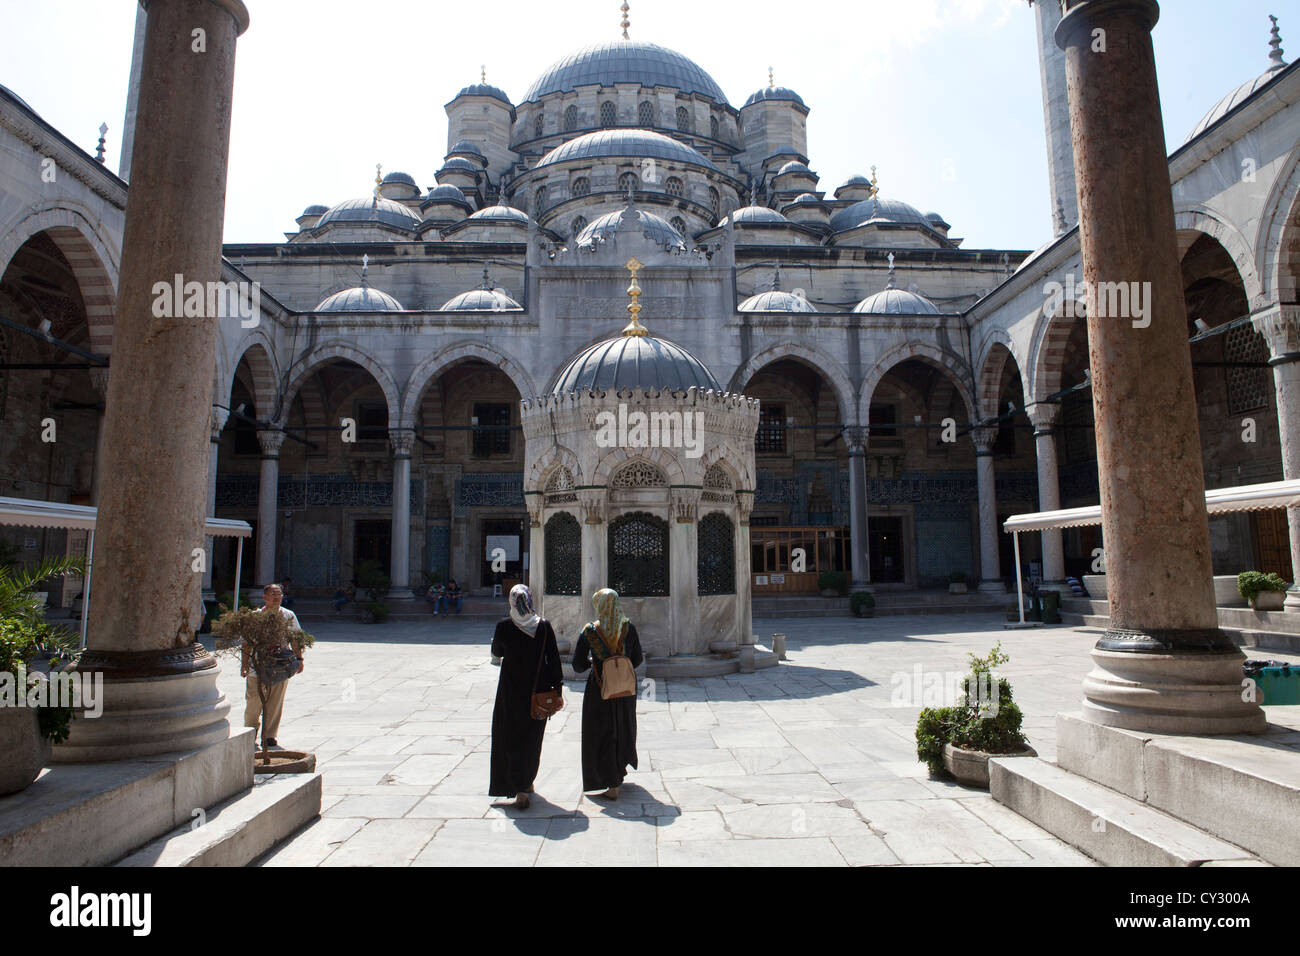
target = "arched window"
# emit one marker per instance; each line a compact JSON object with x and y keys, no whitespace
{"x":645,"y":113}
{"x":581,"y":186}
{"x":579,"y":224}
{"x":716,"y":545}
{"x":674,"y":186}
{"x":683,"y":119}
{"x":570,"y":119}
{"x":638,"y":555}
{"x":608,"y":115}
{"x":539,"y":199}
{"x":628,"y":182}
{"x":713,"y":127}
{"x":563,"y":549}
{"x":715,"y":202}
{"x":678,"y":223}
{"x":537,"y":127}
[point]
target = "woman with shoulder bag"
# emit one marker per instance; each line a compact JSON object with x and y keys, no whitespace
{"x":610,"y":648}
{"x":529,"y":690}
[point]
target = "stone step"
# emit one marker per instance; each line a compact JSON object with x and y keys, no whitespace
{"x":1083,"y":620}
{"x":1108,"y":826}
{"x":241,"y":829}
{"x":1085,"y":606}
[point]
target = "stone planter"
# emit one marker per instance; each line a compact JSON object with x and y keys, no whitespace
{"x":1269,"y":601}
{"x":25,"y":751}
{"x":971,"y":767}
{"x":1096,"y":585}
{"x":1225,"y":591}
{"x":957,"y":588}
{"x":284,"y":761}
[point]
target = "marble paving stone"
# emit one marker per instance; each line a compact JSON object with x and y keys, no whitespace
{"x":384,"y":843}
{"x":693,"y":825}
{"x":496,"y":842}
{"x":424,"y":769}
{"x":864,"y":849}
{"x":588,"y":841}
{"x":815,"y":851}
{"x":771,"y":760}
{"x":451,"y":807}
{"x":794,"y":821}
{"x":790,"y":788}
{"x":311,"y":845}
{"x":374,"y":806}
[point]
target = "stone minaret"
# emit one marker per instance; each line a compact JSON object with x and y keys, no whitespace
{"x":1056,"y":119}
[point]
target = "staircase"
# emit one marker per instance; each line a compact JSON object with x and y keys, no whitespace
{"x":1264,"y":630}
{"x":887,"y":602}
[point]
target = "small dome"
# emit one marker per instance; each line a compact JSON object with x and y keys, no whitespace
{"x":794,"y":166}
{"x":774,"y":93}
{"x":776,"y":301}
{"x":1231,"y":102}
{"x":406,"y":179}
{"x":937,"y":219}
{"x":465,"y":148}
{"x":858,"y":180}
{"x":485,"y":89}
{"x":896,"y":302}
{"x":635,"y":361}
{"x":784,"y":151}
{"x":481,"y":300}
{"x":460,"y":162}
{"x":372,"y":209}
{"x":315,"y":210}
{"x":445,"y":193}
{"x":360,"y":299}
{"x":652,"y":227}
{"x":636,"y":143}
{"x":807,"y":199}
{"x":625,"y":61}
{"x":500,"y":213}
{"x":747,"y":214}
{"x":881,"y":210}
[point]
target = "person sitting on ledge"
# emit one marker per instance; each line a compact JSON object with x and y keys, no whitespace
{"x":453,"y":595}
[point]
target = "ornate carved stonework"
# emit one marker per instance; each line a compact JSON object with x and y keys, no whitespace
{"x":686,"y":503}
{"x":639,"y":474}
{"x":593,"y":505}
{"x":178,"y":660}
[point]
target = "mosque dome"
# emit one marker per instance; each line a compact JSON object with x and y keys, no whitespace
{"x":406,"y":179}
{"x":316,"y":210}
{"x":1231,"y":102}
{"x":464,"y":148}
{"x":481,"y":300}
{"x":500,"y":213}
{"x":938,"y":220}
{"x":446,"y":193}
{"x":775,"y":300}
{"x":858,"y":180}
{"x":625,"y":61}
{"x":653,"y":227}
{"x":362,"y":298}
{"x":369,"y":210}
{"x":746,"y":214}
{"x":896,"y":302}
{"x":807,"y":199}
{"x":635,"y":361}
{"x":886,"y":210}
{"x":771,"y":93}
{"x":637,"y":143}
{"x":485,"y":89}
{"x":794,"y":166}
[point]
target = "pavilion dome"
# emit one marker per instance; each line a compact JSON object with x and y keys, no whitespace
{"x":315,"y":210}
{"x":774,"y":93}
{"x":896,"y":302}
{"x":774,"y":300}
{"x":653,"y":227}
{"x":635,"y":361}
{"x":881,"y":210}
{"x":446,"y":193}
{"x":794,"y":166}
{"x":635,"y":143}
{"x":625,"y":61}
{"x":500,"y":213}
{"x":747,"y":214}
{"x":481,"y":300}
{"x":371,"y":209}
{"x":362,"y":298}
{"x":406,"y":179}
{"x":465,"y":148}
{"x":459,"y":162}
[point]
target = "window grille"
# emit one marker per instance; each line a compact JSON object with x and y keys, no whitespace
{"x":570,"y":119}
{"x":679,"y":224}
{"x":1247,"y":387}
{"x":563,"y":546}
{"x":493,"y":438}
{"x":638,"y":555}
{"x":683,"y":119}
{"x":716,"y":545}
{"x":628,"y":182}
{"x":645,"y":113}
{"x":674,"y":186}
{"x":537,"y":126}
{"x":639,"y":474}
{"x":582,"y":186}
{"x":608,"y":115}
{"x":770,"y":437}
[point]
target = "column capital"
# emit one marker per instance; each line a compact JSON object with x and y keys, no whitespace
{"x":1085,"y":15}
{"x":218,"y":422}
{"x":744,"y":506}
{"x":270,"y":439}
{"x":402,"y":440}
{"x":685,"y":504}
{"x":99,"y":381}
{"x":235,"y":8}
{"x":1280,"y":326}
{"x":593,"y":505}
{"x":984,"y":437}
{"x":856,"y":437}
{"x":1043,"y":415}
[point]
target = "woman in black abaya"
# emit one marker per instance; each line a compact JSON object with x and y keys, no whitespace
{"x":608,"y":726}
{"x":530,"y":662}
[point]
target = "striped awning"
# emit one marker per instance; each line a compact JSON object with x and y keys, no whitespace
{"x":27,"y":513}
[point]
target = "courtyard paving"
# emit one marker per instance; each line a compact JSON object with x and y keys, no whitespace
{"x":808,"y":763}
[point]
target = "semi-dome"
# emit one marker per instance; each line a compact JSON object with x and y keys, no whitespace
{"x":481,"y":300}
{"x":500,"y":213}
{"x":362,"y":298}
{"x":1231,"y":102}
{"x":774,"y":300}
{"x":896,"y":302}
{"x":370,"y":210}
{"x":635,"y":361}
{"x":883,"y":210}
{"x":771,"y":93}
{"x":754,"y":214}
{"x":485,"y":89}
{"x":625,"y":61}
{"x":635,"y":143}
{"x":653,"y":227}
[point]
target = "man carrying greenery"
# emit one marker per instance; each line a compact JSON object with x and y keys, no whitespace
{"x":272,"y":596}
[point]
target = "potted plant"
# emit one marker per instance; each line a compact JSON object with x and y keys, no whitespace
{"x":984,"y":723}
{"x":27,"y":733}
{"x":833,"y":583}
{"x":862,"y":603}
{"x":372,"y":579}
{"x":957,"y":582}
{"x":1265,"y":592}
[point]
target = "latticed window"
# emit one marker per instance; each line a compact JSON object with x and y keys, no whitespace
{"x":563,"y":548}
{"x":570,"y":119}
{"x":638,"y":555}
{"x":713,"y":127}
{"x":579,"y":224}
{"x":608,"y":114}
{"x":678,"y":223}
{"x":639,"y":474}
{"x":770,"y":437}
{"x":715,"y":202}
{"x":674,"y":186}
{"x":537,"y":126}
{"x":1247,"y":387}
{"x":683,"y":119}
{"x":716,"y":544}
{"x":717,"y":485}
{"x":492,"y":429}
{"x":539,"y":199}
{"x":628,"y":182}
{"x":582,"y":186}
{"x":645,"y":113}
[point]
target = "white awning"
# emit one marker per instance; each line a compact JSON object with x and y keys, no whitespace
{"x":26,"y":513}
{"x":1272,"y":494}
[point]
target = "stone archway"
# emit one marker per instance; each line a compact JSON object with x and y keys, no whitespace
{"x":309,"y":364}
{"x":438,"y":363}
{"x":818,"y":361}
{"x":957,"y":371}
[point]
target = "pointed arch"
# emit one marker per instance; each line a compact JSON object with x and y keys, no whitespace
{"x":957,"y":371}
{"x":454,"y":354}
{"x":995,"y":351}
{"x":310,"y":363}
{"x":820,"y":362}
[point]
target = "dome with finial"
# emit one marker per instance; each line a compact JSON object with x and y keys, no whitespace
{"x":1248,"y":89}
{"x":483,"y":299}
{"x":625,"y":61}
{"x":752,"y":214}
{"x":635,"y":359}
{"x":360,"y":298}
{"x":892,"y":301}
{"x":500,"y":213}
{"x":880,"y":210}
{"x":653,"y":227}
{"x":630,"y":143}
{"x":775,"y":300}
{"x":370,"y":210}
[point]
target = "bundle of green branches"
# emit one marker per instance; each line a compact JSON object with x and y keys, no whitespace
{"x":259,"y":633}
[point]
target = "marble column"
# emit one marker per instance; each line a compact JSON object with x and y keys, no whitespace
{"x":268,"y":491}
{"x":160,"y":688}
{"x":744,"y":568}
{"x":1163,"y":665}
{"x":402,"y":440}
{"x":986,"y":479}
{"x":1280,"y":326}
{"x":856,"y":439}
{"x":594,"y":547}
{"x":1044,"y":418}
{"x":219,"y":418}
{"x":684,"y":631}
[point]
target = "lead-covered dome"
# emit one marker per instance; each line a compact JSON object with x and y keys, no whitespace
{"x":882,"y":210}
{"x":625,"y":61}
{"x":374,"y":209}
{"x":755,"y":214}
{"x":500,"y":213}
{"x":481,"y":300}
{"x":360,"y":299}
{"x":635,"y":361}
{"x":486,"y":89}
{"x":896,"y":302}
{"x":774,"y":93}
{"x":774,"y":300}
{"x":634,"y":143}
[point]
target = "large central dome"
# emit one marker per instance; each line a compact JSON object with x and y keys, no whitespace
{"x":625,"y":61}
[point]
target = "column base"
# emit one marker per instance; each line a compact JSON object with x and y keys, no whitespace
{"x":1292,"y":599}
{"x":992,"y":587}
{"x":400,"y":594}
{"x":861,"y":586}
{"x":1059,"y":586}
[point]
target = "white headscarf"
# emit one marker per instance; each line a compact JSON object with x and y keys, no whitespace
{"x":521,"y":610}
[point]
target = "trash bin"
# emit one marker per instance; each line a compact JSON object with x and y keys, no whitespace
{"x":1035,"y":612}
{"x":1051,"y":607}
{"x":1276,"y":682}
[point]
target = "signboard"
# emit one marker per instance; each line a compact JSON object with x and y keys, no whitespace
{"x":778,"y":579}
{"x":509,"y":543}
{"x":760,"y":580}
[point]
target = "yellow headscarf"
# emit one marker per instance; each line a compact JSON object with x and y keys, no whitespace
{"x":610,"y":622}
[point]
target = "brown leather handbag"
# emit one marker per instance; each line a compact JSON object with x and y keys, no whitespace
{"x":545,"y":703}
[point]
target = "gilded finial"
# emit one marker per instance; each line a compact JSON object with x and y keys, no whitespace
{"x":379,"y":179}
{"x":1275,"y":41}
{"x":634,"y":328}
{"x":771,"y":78}
{"x":874,"y":187}
{"x":482,"y":74}
{"x":626,"y":22}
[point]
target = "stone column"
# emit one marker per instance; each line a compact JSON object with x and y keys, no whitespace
{"x":402,"y":440}
{"x":160,"y":692}
{"x":1280,"y":326}
{"x":856,"y":439}
{"x":594,"y":546}
{"x":1044,"y":418}
{"x":744,"y":569}
{"x":536,"y":576}
{"x":99,"y":381}
{"x":268,"y":491}
{"x":1163,"y":664}
{"x":985,"y":476}
{"x":219,"y":417}
{"x":684,"y":635}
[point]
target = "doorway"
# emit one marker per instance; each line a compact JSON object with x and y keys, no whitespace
{"x":502,"y":548}
{"x":372,"y":541}
{"x":886,"y":550}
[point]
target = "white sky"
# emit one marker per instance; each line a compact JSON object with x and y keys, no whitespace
{"x":943,"y":96}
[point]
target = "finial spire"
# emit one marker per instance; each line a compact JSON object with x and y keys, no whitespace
{"x":874,"y":187}
{"x":626,"y":22}
{"x":634,"y":328}
{"x":1275,"y":41}
{"x":482,"y":74}
{"x":892,"y":281}
{"x":379,"y":179}
{"x":365,"y":268}
{"x":776,"y":278}
{"x":99,"y":150}
{"x":487,"y":279}
{"x":771,"y":78}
